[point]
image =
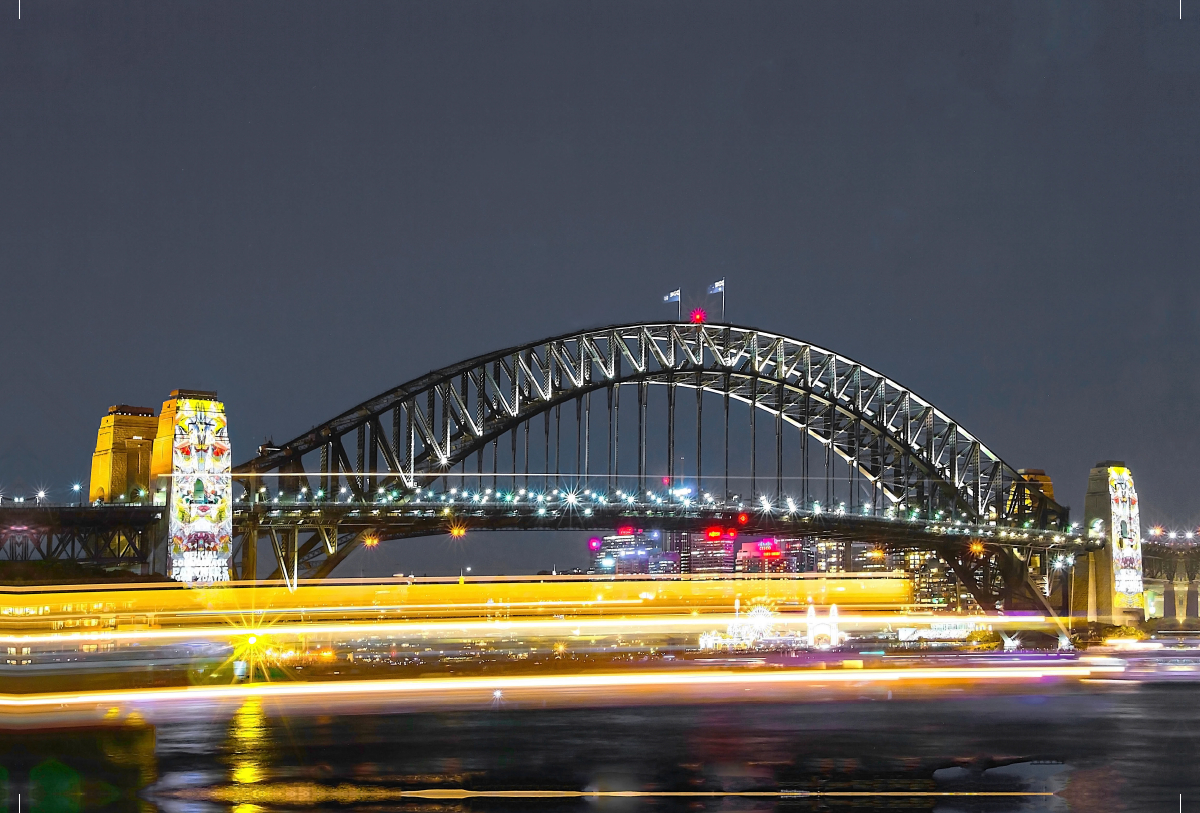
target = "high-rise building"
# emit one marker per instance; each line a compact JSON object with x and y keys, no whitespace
{"x":868,"y":557}
{"x":935,"y":587}
{"x":830,"y":557}
{"x":121,"y":462}
{"x":761,"y":556}
{"x":631,"y":551}
{"x":709,"y":551}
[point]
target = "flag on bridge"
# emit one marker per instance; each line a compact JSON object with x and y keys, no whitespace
{"x":674,"y":297}
{"x":718,"y":287}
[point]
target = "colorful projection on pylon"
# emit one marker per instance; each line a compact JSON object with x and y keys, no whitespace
{"x":1126,"y":537}
{"x":201,"y":524}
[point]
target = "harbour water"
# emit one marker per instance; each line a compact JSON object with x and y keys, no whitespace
{"x":1093,"y":746}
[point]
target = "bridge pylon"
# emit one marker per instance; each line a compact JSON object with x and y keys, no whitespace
{"x":1108,"y":586}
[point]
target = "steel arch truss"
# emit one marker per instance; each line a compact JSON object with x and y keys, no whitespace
{"x":897,"y":447}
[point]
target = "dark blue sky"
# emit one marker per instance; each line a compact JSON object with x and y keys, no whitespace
{"x":303,"y":204}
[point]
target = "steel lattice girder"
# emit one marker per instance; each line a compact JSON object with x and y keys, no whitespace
{"x":107,"y":535}
{"x":912,"y":452}
{"x":309,"y":541}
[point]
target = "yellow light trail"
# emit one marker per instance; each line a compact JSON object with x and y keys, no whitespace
{"x":304,"y":793}
{"x":426,"y":686}
{"x":594,"y":626}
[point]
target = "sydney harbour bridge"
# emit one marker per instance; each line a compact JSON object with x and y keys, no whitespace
{"x":669,"y":426}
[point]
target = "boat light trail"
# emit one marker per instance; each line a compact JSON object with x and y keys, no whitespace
{"x":487,"y":686}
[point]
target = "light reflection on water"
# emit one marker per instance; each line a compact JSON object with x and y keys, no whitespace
{"x":248,"y":744}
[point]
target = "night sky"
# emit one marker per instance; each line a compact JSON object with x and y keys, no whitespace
{"x":301,"y":205}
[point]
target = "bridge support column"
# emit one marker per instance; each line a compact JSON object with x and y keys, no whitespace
{"x":249,"y":563}
{"x":1108,"y":581}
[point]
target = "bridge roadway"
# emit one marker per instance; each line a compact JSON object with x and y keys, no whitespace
{"x":309,"y":539}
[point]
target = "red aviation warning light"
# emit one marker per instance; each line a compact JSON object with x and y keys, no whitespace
{"x":743,"y":519}
{"x":731,"y":533}
{"x":714,"y":533}
{"x":699,"y":316}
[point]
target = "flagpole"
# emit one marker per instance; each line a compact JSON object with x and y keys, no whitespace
{"x":722,"y":300}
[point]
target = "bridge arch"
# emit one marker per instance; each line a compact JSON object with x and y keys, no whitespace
{"x":900,"y":452}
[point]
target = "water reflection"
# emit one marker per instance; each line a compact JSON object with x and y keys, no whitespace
{"x":79,"y":768}
{"x":1094,"y":749}
{"x":248,"y":746}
